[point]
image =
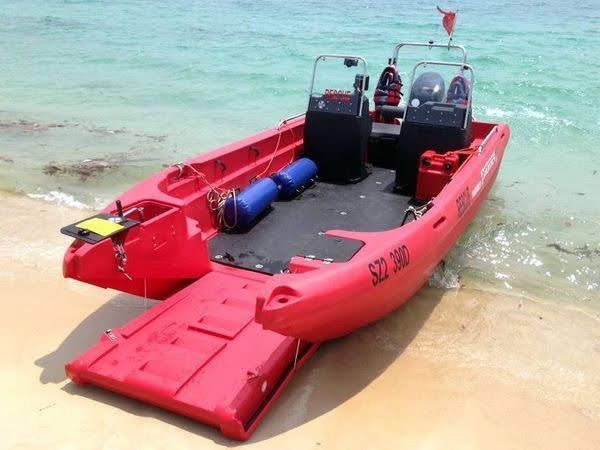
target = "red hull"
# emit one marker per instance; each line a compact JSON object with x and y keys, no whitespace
{"x":221,"y":349}
{"x":200,"y":354}
{"x":341,"y":297}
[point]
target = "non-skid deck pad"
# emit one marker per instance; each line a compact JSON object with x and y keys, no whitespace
{"x":239,"y":251}
{"x":198,"y":353}
{"x":296,"y":227}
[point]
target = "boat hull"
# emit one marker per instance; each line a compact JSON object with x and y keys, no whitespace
{"x":392,"y":265}
{"x":226,"y":340}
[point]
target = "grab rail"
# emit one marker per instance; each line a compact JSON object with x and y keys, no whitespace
{"x":333,"y":55}
{"x":487,"y":139}
{"x":287,"y":119}
{"x":463,"y":67}
{"x":430,"y":44}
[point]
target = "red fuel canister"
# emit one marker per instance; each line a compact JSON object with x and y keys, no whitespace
{"x":435,"y":171}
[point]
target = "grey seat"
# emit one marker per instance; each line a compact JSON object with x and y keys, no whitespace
{"x":390,"y":112}
{"x":385,"y":130}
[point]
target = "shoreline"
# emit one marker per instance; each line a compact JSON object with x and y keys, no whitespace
{"x":459,"y":368}
{"x":65,"y":205}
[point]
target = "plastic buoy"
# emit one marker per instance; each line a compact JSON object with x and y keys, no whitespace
{"x":243,"y":208}
{"x":295,"y":177}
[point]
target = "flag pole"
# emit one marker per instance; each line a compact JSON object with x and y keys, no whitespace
{"x":452,"y":33}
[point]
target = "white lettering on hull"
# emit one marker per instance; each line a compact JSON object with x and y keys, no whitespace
{"x":485,"y":170}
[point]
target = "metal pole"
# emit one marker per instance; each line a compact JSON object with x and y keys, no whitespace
{"x":429,"y":45}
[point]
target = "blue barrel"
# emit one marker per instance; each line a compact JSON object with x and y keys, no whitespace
{"x":295,"y":177}
{"x":242,"y":210}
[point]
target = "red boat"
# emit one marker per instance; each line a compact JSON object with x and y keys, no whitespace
{"x":264,"y":248}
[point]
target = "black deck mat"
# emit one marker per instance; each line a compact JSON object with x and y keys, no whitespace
{"x":296,"y":227}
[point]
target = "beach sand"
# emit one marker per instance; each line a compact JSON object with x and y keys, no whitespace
{"x":456,"y":369}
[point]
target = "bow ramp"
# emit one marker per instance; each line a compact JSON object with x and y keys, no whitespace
{"x":199,"y":353}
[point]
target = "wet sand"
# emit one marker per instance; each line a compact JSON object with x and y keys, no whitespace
{"x":457,"y":369}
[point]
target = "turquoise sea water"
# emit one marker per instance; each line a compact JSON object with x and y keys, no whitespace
{"x":140,"y":84}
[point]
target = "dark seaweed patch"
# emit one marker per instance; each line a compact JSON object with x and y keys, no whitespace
{"x":584,"y":251}
{"x":28,"y":126}
{"x":84,"y":169}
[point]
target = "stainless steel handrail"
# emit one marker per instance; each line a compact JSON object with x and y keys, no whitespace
{"x":287,"y":119}
{"x":325,"y":56}
{"x":429,"y":45}
{"x":462,"y":66}
{"x":487,"y":139}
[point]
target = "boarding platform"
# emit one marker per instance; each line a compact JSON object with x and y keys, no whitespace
{"x":200,"y":354}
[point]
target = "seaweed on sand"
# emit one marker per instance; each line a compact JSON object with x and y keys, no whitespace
{"x":84,"y":169}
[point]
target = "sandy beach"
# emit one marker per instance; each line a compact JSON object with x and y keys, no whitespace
{"x":455,"y":369}
{"x":501,"y":348}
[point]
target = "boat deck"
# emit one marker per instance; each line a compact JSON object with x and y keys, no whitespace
{"x":296,"y":227}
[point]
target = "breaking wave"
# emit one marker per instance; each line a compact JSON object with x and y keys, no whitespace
{"x":60,"y":198}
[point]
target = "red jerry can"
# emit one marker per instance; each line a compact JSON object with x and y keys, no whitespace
{"x":435,"y":171}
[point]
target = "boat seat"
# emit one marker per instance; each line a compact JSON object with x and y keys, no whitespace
{"x":390,"y":112}
{"x":429,"y":126}
{"x":385,"y":130}
{"x":383,"y":143}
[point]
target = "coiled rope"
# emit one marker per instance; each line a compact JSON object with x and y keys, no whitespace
{"x":217,"y":197}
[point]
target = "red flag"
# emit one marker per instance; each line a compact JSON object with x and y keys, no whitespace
{"x":448,"y":21}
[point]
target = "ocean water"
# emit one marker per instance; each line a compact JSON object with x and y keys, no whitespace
{"x":136,"y":85}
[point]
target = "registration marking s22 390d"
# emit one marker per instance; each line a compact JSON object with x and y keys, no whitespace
{"x":387,"y":266}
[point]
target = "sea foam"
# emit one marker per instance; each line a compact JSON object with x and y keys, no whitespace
{"x":60,"y":198}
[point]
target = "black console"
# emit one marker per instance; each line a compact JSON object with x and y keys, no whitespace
{"x":441,"y":114}
{"x":336,"y":136}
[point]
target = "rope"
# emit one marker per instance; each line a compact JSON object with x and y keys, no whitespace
{"x":145,"y":293}
{"x":274,"y":152}
{"x":216,"y":197}
{"x":279,"y":136}
{"x":296,"y":355}
{"x":416,"y":211}
{"x":121,"y":257}
{"x":216,"y":202}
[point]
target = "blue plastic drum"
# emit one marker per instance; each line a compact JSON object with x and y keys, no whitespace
{"x":242,"y":210}
{"x":295,"y":177}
